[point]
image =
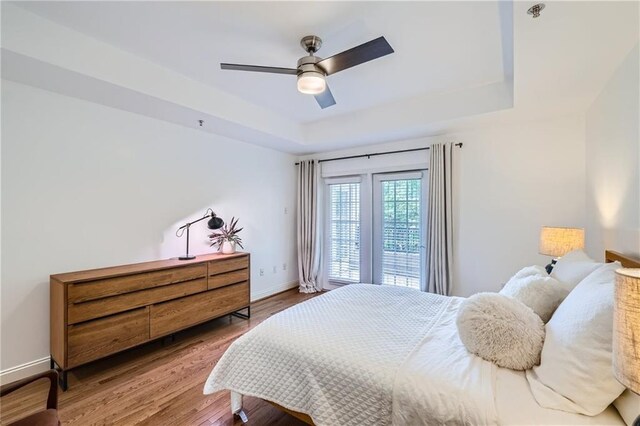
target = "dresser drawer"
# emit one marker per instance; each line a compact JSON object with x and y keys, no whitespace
{"x":181,"y":313}
{"x":227,"y":278}
{"x":98,"y":338}
{"x":85,"y":291}
{"x":228,"y":265}
{"x":79,"y":312}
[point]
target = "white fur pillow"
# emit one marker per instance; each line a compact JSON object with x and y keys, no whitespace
{"x":541,"y":293}
{"x":501,"y":330}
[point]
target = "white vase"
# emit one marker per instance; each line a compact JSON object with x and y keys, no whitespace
{"x":228,"y":247}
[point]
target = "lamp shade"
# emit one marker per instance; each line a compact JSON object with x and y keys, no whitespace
{"x":626,"y":328}
{"x":557,"y":242}
{"x":215,"y":222}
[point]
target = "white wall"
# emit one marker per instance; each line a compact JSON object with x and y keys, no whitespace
{"x":613,"y":163}
{"x":513,"y":180}
{"x":87,"y":186}
{"x":510,"y":180}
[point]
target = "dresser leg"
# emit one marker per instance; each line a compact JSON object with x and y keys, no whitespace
{"x":243,"y":316}
{"x":62,"y":374}
{"x":64,"y":384}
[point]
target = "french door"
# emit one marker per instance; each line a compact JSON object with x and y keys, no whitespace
{"x":376,"y":229}
{"x":399,"y":213}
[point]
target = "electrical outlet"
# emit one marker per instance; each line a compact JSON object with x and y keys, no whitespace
{"x":261,"y":272}
{"x":284,"y":266}
{"x":286,"y":210}
{"x":275,"y":269}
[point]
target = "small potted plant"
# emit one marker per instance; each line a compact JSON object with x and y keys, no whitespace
{"x":226,"y":238}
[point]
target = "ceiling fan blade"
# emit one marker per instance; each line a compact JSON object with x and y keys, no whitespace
{"x":258,"y":68}
{"x":325,"y":99}
{"x":366,"y":52}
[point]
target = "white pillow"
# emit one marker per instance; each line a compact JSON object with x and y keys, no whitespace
{"x":541,"y":293}
{"x":576,"y":368}
{"x":573,"y":267}
{"x":628,"y":405}
{"x":501,"y":330}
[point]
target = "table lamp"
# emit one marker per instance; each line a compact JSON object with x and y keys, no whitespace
{"x":626,"y":330}
{"x":556,"y":242}
{"x":214,"y":223}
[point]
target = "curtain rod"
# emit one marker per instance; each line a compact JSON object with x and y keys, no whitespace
{"x":459,"y":145}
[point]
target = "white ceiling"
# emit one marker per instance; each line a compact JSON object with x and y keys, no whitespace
{"x":456,"y":63}
{"x":564,"y":58}
{"x":440,"y":46}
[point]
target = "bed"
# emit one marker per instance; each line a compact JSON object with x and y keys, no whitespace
{"x":363,"y":355}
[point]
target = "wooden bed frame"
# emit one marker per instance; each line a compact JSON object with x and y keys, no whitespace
{"x":609,"y":257}
{"x":626,"y":261}
{"x":300,"y":416}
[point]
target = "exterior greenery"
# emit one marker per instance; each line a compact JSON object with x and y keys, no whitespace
{"x":401,"y":204}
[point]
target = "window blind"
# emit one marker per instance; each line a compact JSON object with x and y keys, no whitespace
{"x":344,"y":223}
{"x":401,"y":227}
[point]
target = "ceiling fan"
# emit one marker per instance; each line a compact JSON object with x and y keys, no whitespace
{"x":312,"y":70}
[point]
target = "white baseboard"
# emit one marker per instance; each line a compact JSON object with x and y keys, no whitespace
{"x":273,"y":290}
{"x":24,"y":370}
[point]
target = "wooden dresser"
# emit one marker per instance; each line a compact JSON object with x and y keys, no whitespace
{"x":99,"y":312}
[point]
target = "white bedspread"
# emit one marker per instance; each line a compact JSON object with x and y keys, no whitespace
{"x":441,"y":383}
{"x":363,"y":355}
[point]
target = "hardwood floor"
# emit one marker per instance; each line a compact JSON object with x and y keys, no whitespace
{"x":158,"y":384}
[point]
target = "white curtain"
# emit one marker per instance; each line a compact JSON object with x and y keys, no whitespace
{"x":440,"y":220}
{"x":308,"y":227}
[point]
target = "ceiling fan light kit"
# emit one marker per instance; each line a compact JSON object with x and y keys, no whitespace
{"x":311,"y":83}
{"x":311,"y":71}
{"x":311,"y":79}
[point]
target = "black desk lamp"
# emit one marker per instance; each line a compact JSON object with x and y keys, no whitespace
{"x":214,"y":223}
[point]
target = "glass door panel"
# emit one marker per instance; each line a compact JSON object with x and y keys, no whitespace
{"x":344,"y":232}
{"x":398,"y":234}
